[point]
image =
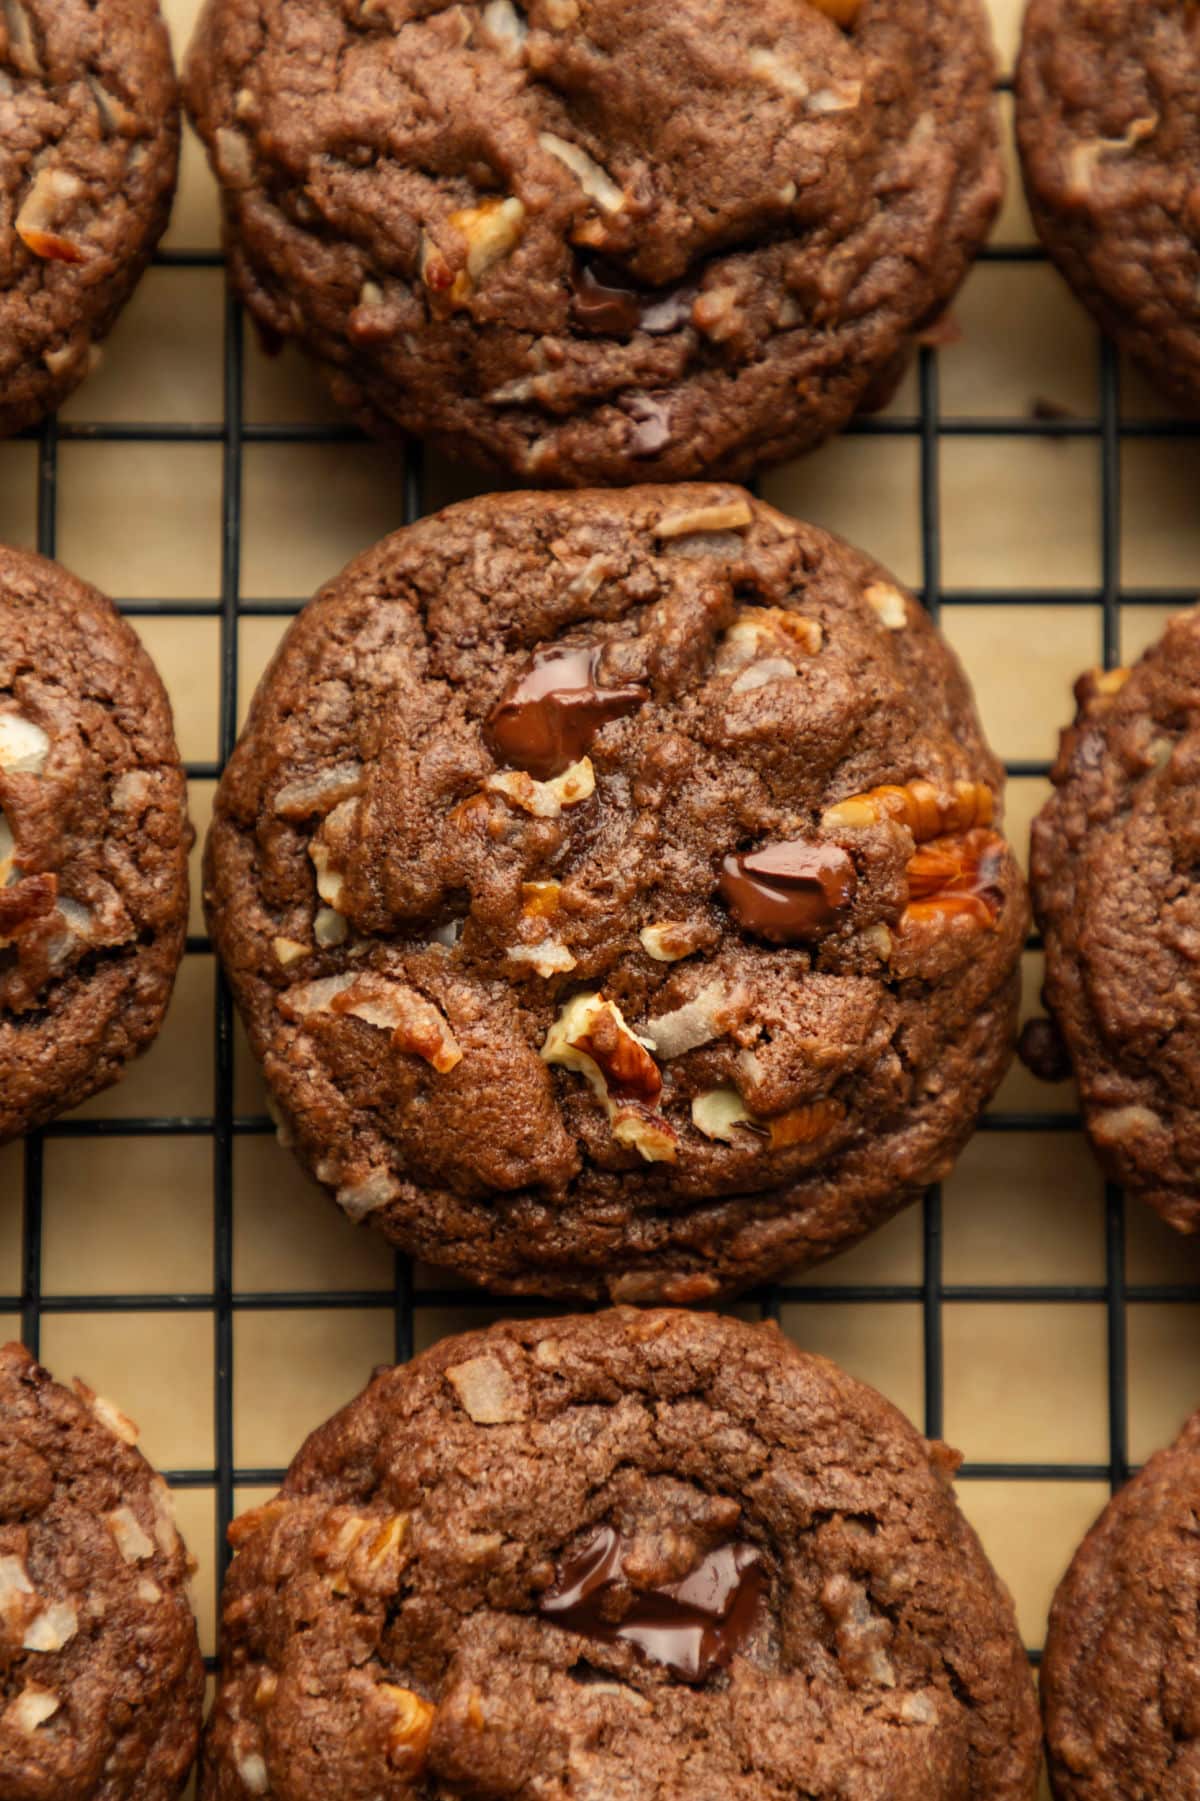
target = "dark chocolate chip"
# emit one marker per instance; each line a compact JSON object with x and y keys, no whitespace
{"x":692,"y":1626}
{"x":604,"y":301}
{"x":546,"y":719}
{"x":790,"y":893}
{"x":602,"y":304}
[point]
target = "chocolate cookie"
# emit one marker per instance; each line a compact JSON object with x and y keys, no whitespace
{"x":611,"y":889}
{"x":1115,"y":856}
{"x":601,"y":240}
{"x":1119,"y":1677}
{"x":1109,"y":133}
{"x":93,"y":844}
{"x":89,"y":141}
{"x":101,"y":1681}
{"x":637,"y":1554}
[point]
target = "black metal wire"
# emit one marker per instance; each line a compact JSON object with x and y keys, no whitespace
{"x":224,"y":1126}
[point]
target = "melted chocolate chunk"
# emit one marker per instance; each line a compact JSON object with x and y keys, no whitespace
{"x":546,"y":719}
{"x":791,"y":893}
{"x":602,"y":304}
{"x":692,"y":1627}
{"x":604,"y":301}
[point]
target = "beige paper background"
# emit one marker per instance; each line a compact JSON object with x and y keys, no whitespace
{"x":127,"y":1215}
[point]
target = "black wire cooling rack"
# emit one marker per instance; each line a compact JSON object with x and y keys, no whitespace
{"x":224,"y":1125}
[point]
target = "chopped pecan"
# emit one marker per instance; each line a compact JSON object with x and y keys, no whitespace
{"x":926,"y":810}
{"x":37,"y":223}
{"x":591,"y":1037}
{"x":801,"y":1125}
{"x":956,"y":877}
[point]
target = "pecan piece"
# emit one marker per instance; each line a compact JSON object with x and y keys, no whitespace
{"x":956,"y":877}
{"x":926,"y":810}
{"x":591,"y":1037}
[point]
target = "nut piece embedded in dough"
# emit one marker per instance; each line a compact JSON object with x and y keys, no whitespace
{"x":549,"y":958}
{"x":319,"y":793}
{"x":596,"y":184}
{"x":376,"y":1190}
{"x":1096,"y":689}
{"x":47,"y":202}
{"x":492,"y":231}
{"x":408,"y":1736}
{"x":253,"y":1773}
{"x":888,"y":604}
{"x":24,"y":746}
{"x":926,"y":810}
{"x":1121,"y":1125}
{"x":1084,"y":158}
{"x":698,"y":1021}
{"x":51,"y":1629}
{"x":133,"y":1542}
{"x":591,"y":1037}
{"x":31,"y":1709}
{"x":669,"y":940}
{"x":416,"y":1024}
{"x":545,"y":800}
{"x":804,"y":1125}
{"x":22,"y":45}
{"x":718,"y":1112}
{"x":722,"y":516}
{"x":487,"y":1392}
{"x":956,"y":877}
{"x":766,"y":635}
{"x":109,"y":1415}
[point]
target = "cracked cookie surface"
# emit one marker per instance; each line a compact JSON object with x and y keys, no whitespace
{"x":101,"y":1680}
{"x":611,"y":887}
{"x":1118,"y":1676}
{"x":94,"y":842}
{"x":601,"y":240}
{"x":89,"y":142}
{"x":1110,"y":144}
{"x":638,"y":1555}
{"x":1114,"y":870}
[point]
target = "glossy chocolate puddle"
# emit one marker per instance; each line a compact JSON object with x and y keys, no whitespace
{"x":692,"y":1627}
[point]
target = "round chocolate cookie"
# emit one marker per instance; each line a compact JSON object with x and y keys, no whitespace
{"x":94,"y":841}
{"x":611,"y":889}
{"x":1121,"y":1672}
{"x":89,"y":141}
{"x":1109,"y":132}
{"x":1116,"y":855}
{"x":643,"y":1555}
{"x":101,"y":1681}
{"x":601,"y":240}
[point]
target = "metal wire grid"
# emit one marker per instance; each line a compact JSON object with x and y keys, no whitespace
{"x":223,"y":1126}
